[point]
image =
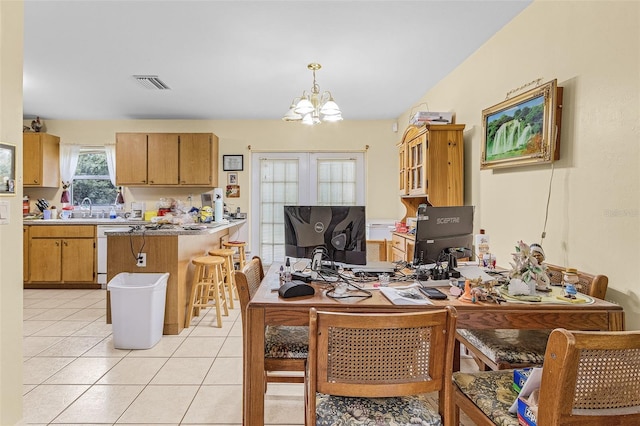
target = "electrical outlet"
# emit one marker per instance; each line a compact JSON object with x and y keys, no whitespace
{"x":142,"y":260}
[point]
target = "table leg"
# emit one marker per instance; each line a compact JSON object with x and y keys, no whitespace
{"x":616,"y":321}
{"x":253,"y":400}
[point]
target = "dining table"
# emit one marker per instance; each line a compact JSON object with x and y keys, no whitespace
{"x":266,"y":308}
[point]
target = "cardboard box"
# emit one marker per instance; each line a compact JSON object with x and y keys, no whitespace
{"x":526,"y":414}
{"x":520,"y":376}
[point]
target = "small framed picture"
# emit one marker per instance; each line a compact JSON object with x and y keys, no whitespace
{"x":232,"y":178}
{"x":232,"y":163}
{"x":7,"y":169}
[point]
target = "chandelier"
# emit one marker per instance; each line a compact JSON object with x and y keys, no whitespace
{"x":313,"y":108}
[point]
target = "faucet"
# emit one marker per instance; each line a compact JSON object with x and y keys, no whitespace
{"x":82,"y":205}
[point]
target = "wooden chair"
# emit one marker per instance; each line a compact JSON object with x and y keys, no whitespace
{"x":503,"y":348}
{"x":286,"y":347}
{"x":588,"y":378}
{"x":376,"y":368}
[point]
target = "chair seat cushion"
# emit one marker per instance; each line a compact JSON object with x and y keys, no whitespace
{"x":491,"y":391}
{"x":509,"y":346}
{"x":412,"y":410}
{"x":285,"y":341}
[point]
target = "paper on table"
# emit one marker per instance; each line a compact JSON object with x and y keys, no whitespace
{"x":472,"y":272}
{"x":532,"y":383}
{"x":406,"y":295}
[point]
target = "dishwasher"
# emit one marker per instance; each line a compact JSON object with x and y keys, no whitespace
{"x":102,"y":250}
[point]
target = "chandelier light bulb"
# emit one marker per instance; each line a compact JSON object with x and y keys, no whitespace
{"x":315,"y":107}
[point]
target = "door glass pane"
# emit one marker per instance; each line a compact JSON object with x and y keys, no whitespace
{"x":278,"y":186}
{"x":336,"y":181}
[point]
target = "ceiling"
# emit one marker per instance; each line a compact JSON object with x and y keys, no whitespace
{"x":244,"y":59}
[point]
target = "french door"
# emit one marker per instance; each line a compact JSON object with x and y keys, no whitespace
{"x":299,"y":178}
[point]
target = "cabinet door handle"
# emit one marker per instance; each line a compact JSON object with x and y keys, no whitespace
{"x":65,"y":243}
{"x":57,"y":243}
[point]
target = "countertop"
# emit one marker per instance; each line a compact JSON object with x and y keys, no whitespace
{"x":80,"y":221}
{"x":123,"y":226}
{"x":188,"y":229}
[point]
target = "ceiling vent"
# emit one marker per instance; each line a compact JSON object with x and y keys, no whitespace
{"x":151,"y":82}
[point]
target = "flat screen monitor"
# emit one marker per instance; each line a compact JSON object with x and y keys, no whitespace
{"x":341,"y":230}
{"x":443,"y":230}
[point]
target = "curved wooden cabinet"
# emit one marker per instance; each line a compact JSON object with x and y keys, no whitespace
{"x":431,"y":166}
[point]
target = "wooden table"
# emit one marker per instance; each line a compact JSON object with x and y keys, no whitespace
{"x":267,"y":308}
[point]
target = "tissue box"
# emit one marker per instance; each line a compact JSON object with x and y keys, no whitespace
{"x":520,"y":376}
{"x":526,"y":415}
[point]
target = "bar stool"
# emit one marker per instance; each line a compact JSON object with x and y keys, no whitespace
{"x":237,"y":245}
{"x":228,"y":271}
{"x":207,"y":287}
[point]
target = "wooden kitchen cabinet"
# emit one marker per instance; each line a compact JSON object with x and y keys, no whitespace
{"x":163,"y":158}
{"x":41,"y":160}
{"x":431,"y":164}
{"x":167,"y":159}
{"x":131,"y":159}
{"x":61,"y":256}
{"x":402,"y":247}
{"x":198,"y":159}
{"x":25,"y":253}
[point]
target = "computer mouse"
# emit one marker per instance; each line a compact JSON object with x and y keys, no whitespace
{"x":295,"y":288}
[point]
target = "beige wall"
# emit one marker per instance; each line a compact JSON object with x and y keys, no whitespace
{"x":592,"y":48}
{"x":11,"y":13}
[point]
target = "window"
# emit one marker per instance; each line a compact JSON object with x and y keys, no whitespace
{"x":91,"y":178}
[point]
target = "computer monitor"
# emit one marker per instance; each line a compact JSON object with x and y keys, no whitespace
{"x":341,"y":230}
{"x":443,"y":230}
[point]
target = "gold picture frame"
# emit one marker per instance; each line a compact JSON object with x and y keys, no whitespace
{"x":523,"y":130}
{"x":7,"y":169}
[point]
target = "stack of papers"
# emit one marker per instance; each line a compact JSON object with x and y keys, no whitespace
{"x":406,"y":295}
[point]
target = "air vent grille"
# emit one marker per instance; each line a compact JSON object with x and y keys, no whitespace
{"x":151,"y":82}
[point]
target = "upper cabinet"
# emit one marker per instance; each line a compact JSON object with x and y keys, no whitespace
{"x":167,"y":159}
{"x":41,"y":160}
{"x":431,"y":165}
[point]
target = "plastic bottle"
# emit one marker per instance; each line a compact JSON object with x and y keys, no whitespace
{"x":287,"y":270}
{"x":112,"y":213}
{"x":482,"y":245}
{"x":218,"y":210}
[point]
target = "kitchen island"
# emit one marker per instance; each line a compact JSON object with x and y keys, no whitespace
{"x":166,"y":249}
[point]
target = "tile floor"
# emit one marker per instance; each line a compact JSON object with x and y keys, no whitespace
{"x":73,"y":375}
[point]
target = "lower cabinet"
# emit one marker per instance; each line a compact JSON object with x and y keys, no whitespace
{"x":62,"y":256}
{"x":402,"y":247}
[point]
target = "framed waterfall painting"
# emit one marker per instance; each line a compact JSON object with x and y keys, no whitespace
{"x":523,"y":130}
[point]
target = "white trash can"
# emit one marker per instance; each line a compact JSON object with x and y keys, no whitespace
{"x":137,"y":309}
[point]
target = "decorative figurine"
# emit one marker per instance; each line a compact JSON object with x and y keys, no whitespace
{"x":527,"y":270}
{"x":36,"y":125}
{"x":542,"y":279}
